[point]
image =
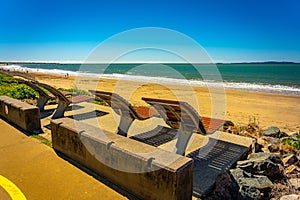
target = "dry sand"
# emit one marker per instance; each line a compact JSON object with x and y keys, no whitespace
{"x":240,"y":107}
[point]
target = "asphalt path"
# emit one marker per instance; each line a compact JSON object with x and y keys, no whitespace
{"x":32,"y":170}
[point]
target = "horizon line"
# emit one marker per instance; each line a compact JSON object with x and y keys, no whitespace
{"x":141,"y":62}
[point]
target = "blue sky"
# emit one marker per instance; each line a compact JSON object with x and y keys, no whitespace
{"x":230,"y":31}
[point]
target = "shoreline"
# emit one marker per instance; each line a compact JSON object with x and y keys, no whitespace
{"x":248,"y":86}
{"x":241,"y":107}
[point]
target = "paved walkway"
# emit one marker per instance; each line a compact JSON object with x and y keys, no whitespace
{"x":39,"y":173}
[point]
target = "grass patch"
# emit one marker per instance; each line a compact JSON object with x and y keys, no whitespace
{"x":43,"y":140}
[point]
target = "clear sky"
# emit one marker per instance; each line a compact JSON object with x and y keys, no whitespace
{"x":230,"y":31}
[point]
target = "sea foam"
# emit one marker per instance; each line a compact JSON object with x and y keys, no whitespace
{"x":255,"y":87}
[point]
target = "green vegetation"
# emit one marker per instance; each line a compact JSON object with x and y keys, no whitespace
{"x":10,"y":87}
{"x":4,"y":78}
{"x":294,"y":143}
{"x":21,"y":92}
{"x":99,"y":101}
{"x":43,"y":140}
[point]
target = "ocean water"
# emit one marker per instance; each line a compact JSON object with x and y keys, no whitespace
{"x":282,"y":78}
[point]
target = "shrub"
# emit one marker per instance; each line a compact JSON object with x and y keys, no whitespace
{"x":4,"y":78}
{"x":21,"y":92}
{"x":294,"y":143}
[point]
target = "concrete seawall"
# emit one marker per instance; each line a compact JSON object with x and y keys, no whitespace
{"x":20,"y":113}
{"x":143,"y":170}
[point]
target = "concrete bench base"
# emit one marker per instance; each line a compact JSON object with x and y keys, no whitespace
{"x":21,"y":114}
{"x":143,"y":170}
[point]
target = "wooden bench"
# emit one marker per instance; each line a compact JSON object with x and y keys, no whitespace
{"x":126,"y":111}
{"x":63,"y":101}
{"x":43,"y":96}
{"x":180,"y":115}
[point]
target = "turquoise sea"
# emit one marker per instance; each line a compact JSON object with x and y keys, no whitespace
{"x":272,"y":77}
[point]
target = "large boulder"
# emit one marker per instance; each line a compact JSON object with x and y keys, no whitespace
{"x":251,"y":186}
{"x":261,"y":164}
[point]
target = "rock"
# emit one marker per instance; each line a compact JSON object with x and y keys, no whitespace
{"x":228,"y":123}
{"x":239,"y":173}
{"x":261,"y":164}
{"x":249,"y":193}
{"x":259,"y":182}
{"x":294,"y":136}
{"x":273,"y":148}
{"x":283,"y":134}
{"x":295,"y":182}
{"x":290,"y":197}
{"x":262,"y":141}
{"x":285,"y":149}
{"x":250,"y":187}
{"x":272,"y":131}
{"x":258,"y":145}
{"x":290,"y":160}
{"x":273,"y":144}
{"x":265,"y":150}
{"x":281,"y":169}
{"x":263,"y":156}
{"x":272,"y":140}
{"x":225,"y":188}
{"x":290,"y":169}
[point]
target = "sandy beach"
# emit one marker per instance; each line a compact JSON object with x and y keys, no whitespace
{"x":241,"y":107}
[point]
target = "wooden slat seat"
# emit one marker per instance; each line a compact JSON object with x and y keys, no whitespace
{"x":180,"y":115}
{"x":63,"y":101}
{"x":44,"y":97}
{"x":79,"y":98}
{"x":127,"y":112}
{"x":63,"y":92}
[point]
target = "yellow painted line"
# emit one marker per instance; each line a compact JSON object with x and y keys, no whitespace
{"x":13,"y":191}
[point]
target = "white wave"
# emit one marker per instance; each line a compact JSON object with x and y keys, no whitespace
{"x":256,"y":87}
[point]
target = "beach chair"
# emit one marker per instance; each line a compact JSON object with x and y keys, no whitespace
{"x":127,"y":112}
{"x":63,"y":101}
{"x":182,"y":116}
